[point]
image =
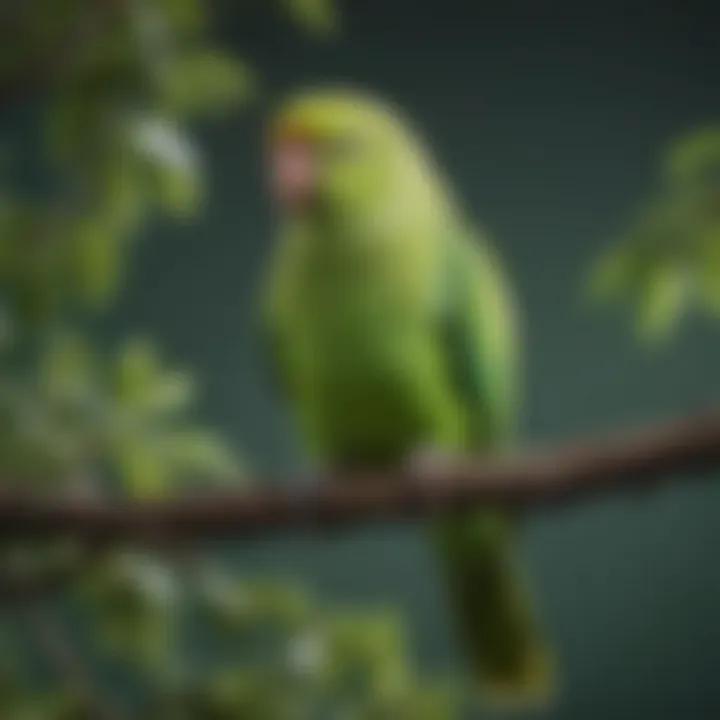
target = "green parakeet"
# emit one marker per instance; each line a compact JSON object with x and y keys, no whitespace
{"x":390,"y":328}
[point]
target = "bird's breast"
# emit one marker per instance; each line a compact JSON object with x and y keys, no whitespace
{"x":374,"y":380}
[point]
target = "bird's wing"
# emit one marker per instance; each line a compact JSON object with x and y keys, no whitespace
{"x":479,"y":336}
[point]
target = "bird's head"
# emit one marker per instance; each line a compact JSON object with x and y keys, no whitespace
{"x":337,"y":150}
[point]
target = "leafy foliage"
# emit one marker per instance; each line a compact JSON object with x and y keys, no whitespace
{"x":668,"y":261}
{"x":287,"y":654}
{"x":317,"y":16}
{"x":124,"y":79}
{"x":77,"y":412}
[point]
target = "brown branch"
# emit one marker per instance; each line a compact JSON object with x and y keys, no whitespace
{"x":629,"y":461}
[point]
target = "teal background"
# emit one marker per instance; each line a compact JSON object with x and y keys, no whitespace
{"x":549,"y":117}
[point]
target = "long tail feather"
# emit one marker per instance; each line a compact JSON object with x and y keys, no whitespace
{"x":507,"y":654}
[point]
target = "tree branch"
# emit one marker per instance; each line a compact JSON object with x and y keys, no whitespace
{"x":629,"y":461}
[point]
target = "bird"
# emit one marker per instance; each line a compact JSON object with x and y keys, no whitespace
{"x":392,"y":336}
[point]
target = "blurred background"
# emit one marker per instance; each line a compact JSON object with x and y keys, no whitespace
{"x":552,"y":120}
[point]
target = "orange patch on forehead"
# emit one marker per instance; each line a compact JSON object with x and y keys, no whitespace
{"x":287,"y":130}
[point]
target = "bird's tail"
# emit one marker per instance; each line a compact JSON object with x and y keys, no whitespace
{"x":506,"y":652}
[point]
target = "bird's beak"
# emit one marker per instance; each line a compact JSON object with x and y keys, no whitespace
{"x":293,"y":172}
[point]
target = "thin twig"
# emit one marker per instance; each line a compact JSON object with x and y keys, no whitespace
{"x":626,"y":462}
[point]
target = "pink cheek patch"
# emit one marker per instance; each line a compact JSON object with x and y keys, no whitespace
{"x":293,"y":172}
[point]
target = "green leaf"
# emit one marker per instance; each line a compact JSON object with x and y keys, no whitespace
{"x":419,"y":702}
{"x":286,"y":606}
{"x":171,"y":160}
{"x":7,"y":328}
{"x":199,"y":452}
{"x":123,"y":191}
{"x":133,"y":601}
{"x":186,"y":15}
{"x":11,"y":226}
{"x":661,"y":301}
{"x":227,"y":603}
{"x":99,"y":259}
{"x":67,"y":369}
{"x":317,"y":16}
{"x":149,"y":578}
{"x":709,"y":270}
{"x":152,"y":447}
{"x":243,"y":693}
{"x":371,"y":646}
{"x":173,"y":392}
{"x":152,"y":461}
{"x":81,"y":128}
{"x":143,"y":471}
{"x":137,"y":370}
{"x":693,"y":154}
{"x":145,"y":387}
{"x":179,"y":192}
{"x":32,"y":261}
{"x":204,"y":82}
